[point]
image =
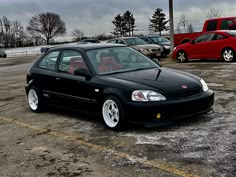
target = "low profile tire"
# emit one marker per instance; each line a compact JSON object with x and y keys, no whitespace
{"x":113,"y":113}
{"x":228,"y":55}
{"x":35,"y":99}
{"x":182,"y":56}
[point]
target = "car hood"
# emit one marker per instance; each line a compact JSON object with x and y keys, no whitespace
{"x":147,"y":46}
{"x":165,"y":43}
{"x":164,"y":80}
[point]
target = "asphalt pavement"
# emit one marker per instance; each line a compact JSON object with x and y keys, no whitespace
{"x":64,"y":143}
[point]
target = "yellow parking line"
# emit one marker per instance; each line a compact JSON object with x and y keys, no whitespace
{"x":78,"y":139}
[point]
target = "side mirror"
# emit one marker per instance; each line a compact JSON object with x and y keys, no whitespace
{"x":157,"y":61}
{"x":83,"y":72}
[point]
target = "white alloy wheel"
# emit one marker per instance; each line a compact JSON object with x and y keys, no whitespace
{"x":228,"y":55}
{"x":181,"y":56}
{"x":110,"y":113}
{"x":33,"y":99}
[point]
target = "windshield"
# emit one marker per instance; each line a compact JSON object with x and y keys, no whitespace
{"x":118,"y":59}
{"x":159,"y":39}
{"x":134,"y":41}
{"x":232,"y":33}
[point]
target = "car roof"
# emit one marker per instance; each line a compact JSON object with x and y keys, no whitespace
{"x":89,"y":46}
{"x":125,"y":38}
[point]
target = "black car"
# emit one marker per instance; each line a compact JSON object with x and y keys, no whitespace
{"x":3,"y":53}
{"x":117,"y":82}
{"x":160,"y":40}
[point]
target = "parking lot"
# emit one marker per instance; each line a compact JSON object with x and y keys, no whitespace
{"x":64,"y":143}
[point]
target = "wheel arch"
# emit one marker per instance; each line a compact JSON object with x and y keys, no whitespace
{"x":31,"y":83}
{"x":116,"y":92}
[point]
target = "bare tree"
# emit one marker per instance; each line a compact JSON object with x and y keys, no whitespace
{"x":183,"y":22}
{"x":178,"y":30}
{"x":11,"y":33}
{"x":78,"y":34}
{"x":190,"y":28}
{"x":46,"y":25}
{"x":213,"y":13}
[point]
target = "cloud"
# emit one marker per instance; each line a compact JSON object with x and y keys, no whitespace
{"x":95,"y":16}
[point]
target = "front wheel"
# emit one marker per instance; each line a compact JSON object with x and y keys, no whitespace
{"x":113,"y":113}
{"x":35,"y":100}
{"x":228,"y":55}
{"x":182,"y":56}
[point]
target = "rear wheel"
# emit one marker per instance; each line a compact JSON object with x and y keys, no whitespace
{"x":182,"y":56}
{"x":228,"y":54}
{"x":35,"y":99}
{"x":113,"y":113}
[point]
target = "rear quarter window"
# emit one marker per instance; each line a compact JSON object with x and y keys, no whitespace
{"x":48,"y":62}
{"x":211,"y":25}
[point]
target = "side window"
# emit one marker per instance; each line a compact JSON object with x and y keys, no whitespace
{"x":70,"y":61}
{"x":219,"y":37}
{"x":225,"y":24}
{"x":204,"y":38}
{"x":120,"y":42}
{"x":112,"y":41}
{"x":146,"y":39}
{"x":48,"y":62}
{"x":211,"y":26}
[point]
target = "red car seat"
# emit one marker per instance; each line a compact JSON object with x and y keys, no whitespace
{"x":75,"y":63}
{"x":108,"y":64}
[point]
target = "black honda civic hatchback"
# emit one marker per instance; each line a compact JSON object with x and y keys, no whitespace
{"x":117,"y":82}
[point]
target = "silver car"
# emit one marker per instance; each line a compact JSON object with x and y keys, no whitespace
{"x":150,"y":50}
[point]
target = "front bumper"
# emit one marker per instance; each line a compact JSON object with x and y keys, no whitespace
{"x":167,"y":111}
{"x":153,"y":54}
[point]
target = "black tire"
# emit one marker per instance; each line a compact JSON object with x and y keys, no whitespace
{"x":113,"y":114}
{"x":182,"y":56}
{"x":5,"y":56}
{"x":228,"y":55}
{"x":35,"y":100}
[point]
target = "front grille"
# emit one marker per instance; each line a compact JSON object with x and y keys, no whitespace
{"x":155,"y":50}
{"x":187,"y":93}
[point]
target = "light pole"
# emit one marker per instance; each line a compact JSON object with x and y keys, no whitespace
{"x":171,"y":25}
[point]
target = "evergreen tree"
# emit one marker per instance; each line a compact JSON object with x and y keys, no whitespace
{"x":118,"y":20}
{"x":158,"y":21}
{"x":124,"y":24}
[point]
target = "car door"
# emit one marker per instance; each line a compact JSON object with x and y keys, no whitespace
{"x":216,"y":45}
{"x":44,"y":74}
{"x":200,"y":46}
{"x":77,"y":91}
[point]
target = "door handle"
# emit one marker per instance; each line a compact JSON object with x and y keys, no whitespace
{"x":58,"y":79}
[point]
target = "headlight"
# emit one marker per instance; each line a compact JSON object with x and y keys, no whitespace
{"x":166,"y":46}
{"x":147,"y":95}
{"x":174,"y":49}
{"x":143,"y":50}
{"x":204,"y":85}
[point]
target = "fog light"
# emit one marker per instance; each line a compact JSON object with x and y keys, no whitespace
{"x":158,"y":116}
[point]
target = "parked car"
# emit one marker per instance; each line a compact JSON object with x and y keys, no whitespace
{"x":160,"y":40}
{"x":150,"y":50}
{"x":209,"y":45}
{"x":117,"y":82}
{"x":223,"y":23}
{"x":86,"y":41}
{"x":3,"y":53}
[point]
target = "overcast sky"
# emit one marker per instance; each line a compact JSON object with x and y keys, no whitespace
{"x":94,"y":16}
